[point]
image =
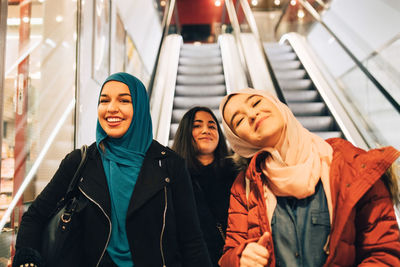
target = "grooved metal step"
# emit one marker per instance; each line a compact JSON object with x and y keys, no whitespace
{"x":200,"y":82}
{"x":200,"y":61}
{"x":200,"y":79}
{"x":200,"y":70}
{"x":299,"y":91}
{"x":199,"y":90}
{"x":185,"y":102}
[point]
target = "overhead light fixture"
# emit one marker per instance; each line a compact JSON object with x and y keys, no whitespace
{"x":300,"y":13}
{"x":217,"y":3}
{"x":59,"y":18}
{"x":163,"y":3}
{"x":293,"y":2}
{"x":254,"y":2}
{"x":277,"y":2}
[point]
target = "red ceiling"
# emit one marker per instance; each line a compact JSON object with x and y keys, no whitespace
{"x":199,"y":11}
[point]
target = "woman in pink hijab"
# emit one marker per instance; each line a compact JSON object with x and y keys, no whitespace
{"x":305,"y":201}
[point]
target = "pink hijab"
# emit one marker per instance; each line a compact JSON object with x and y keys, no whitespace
{"x":296,"y":162}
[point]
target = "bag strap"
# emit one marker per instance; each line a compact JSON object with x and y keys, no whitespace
{"x":75,"y":179}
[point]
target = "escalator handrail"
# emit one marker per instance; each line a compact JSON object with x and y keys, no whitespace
{"x":314,"y":13}
{"x":378,"y":85}
{"x":253,"y":27}
{"x":31,"y":174}
{"x":284,"y":9}
{"x":167,"y":17}
{"x":236,"y":32}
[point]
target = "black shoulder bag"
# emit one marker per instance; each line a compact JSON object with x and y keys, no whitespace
{"x":60,"y":225}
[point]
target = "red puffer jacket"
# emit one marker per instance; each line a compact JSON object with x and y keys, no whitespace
{"x":364,"y":231}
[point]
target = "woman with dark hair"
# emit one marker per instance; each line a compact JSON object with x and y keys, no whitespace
{"x":199,"y":140}
{"x":136,"y":204}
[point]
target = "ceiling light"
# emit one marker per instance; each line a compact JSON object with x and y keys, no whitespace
{"x":300,"y":13}
{"x":254,"y":2}
{"x":163,"y":3}
{"x":277,"y":2}
{"x":293,"y":2}
{"x":217,"y":3}
{"x":59,"y":18}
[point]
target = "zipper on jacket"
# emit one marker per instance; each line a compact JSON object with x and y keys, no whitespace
{"x":219,"y":227}
{"x":163,"y":226}
{"x":109,"y":223}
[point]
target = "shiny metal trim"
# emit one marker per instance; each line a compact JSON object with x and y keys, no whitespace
{"x":163,"y":226}
{"x":31,"y":174}
{"x":109,"y":223}
{"x":3,"y":32}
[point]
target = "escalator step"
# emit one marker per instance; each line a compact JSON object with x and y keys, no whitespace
{"x":173,"y":129}
{"x":290,"y":74}
{"x":289,"y":56}
{"x":177,"y":115}
{"x":196,"y":53}
{"x":196,"y":90}
{"x":200,"y":70}
{"x":201,"y":47}
{"x":330,"y":134}
{"x":299,"y":84}
{"x":197,"y":80}
{"x":181,"y":102}
{"x":308,"y":109}
{"x":207,"y":61}
{"x":286,"y":65}
{"x":276,"y":48}
{"x":301,"y":96}
{"x":317,"y":123}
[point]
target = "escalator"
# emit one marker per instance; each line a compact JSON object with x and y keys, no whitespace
{"x":200,"y":82}
{"x":300,"y":92}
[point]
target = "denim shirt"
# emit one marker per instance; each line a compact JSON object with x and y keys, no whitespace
{"x":300,"y":228}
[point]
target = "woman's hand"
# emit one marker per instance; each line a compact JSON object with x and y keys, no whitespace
{"x":256,"y":254}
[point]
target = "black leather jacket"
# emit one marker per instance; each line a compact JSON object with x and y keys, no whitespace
{"x":162,"y":224}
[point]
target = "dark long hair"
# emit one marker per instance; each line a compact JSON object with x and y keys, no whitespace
{"x":184,"y":142}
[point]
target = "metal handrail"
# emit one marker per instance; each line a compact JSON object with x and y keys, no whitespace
{"x":37,"y":163}
{"x":168,"y":11}
{"x":230,"y":7}
{"x":378,"y":85}
{"x":253,"y":27}
{"x":284,"y":9}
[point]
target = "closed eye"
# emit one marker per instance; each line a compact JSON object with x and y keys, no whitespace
{"x":239,"y":121}
{"x":256,"y":103}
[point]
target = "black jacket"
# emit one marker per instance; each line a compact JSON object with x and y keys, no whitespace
{"x":162,"y":224}
{"x":211,"y":186}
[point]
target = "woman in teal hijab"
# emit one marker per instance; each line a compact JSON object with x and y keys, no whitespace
{"x":136,"y":200}
{"x":122,"y":157}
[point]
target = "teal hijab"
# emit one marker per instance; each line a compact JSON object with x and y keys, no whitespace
{"x":122,"y":161}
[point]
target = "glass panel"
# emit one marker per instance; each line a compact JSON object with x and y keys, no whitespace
{"x":39,"y":86}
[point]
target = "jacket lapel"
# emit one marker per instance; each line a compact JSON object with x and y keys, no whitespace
{"x":93,"y":182}
{"x":151,"y":177}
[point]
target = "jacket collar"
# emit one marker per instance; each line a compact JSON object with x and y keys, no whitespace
{"x":151,"y":178}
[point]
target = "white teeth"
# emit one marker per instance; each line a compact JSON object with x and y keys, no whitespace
{"x":113,"y":119}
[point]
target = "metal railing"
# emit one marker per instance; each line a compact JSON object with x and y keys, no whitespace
{"x":230,"y":8}
{"x":166,"y":22}
{"x":36,"y":164}
{"x":314,"y":13}
{"x":253,"y":27}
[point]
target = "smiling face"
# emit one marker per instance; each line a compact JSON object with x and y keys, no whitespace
{"x":255,"y":119}
{"x":115,"y":110}
{"x":205,"y":133}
